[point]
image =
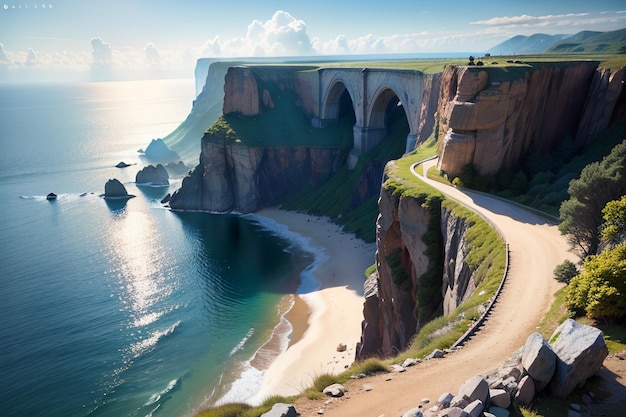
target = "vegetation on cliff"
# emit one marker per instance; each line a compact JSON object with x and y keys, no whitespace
{"x":486,"y":259}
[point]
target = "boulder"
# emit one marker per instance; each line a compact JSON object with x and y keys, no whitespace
{"x":435,"y":354}
{"x":414,"y":412}
{"x":580,"y":351}
{"x":539,"y":360}
{"x":500,"y":398}
{"x":475,"y":388}
{"x":115,"y":189}
{"x":452,"y":412}
{"x":335,"y":390}
{"x":460,"y":401}
{"x":525,"y":391}
{"x":153,"y":175}
{"x":281,"y":410}
{"x":444,"y":400}
{"x":475,"y":408}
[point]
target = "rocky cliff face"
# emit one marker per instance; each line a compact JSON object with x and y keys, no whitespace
{"x":492,"y":118}
{"x":393,"y":312}
{"x":244,"y":179}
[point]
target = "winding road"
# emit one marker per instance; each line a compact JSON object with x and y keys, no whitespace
{"x":536,"y":247}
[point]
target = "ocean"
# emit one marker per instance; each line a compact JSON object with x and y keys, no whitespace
{"x":124,"y":309}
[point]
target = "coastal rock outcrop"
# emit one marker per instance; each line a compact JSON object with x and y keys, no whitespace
{"x":231,"y":176}
{"x":391,"y":308}
{"x":492,"y":117}
{"x":115,"y":189}
{"x":153,"y":175}
{"x":158,"y":151}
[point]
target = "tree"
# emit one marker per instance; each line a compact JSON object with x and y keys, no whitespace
{"x":565,"y":272}
{"x":600,"y":289}
{"x":614,"y":226}
{"x":599,"y":183}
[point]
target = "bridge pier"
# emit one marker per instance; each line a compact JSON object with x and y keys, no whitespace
{"x":411,"y":140}
{"x":365,"y":139}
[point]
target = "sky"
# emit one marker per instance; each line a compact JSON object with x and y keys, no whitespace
{"x":85,"y":39}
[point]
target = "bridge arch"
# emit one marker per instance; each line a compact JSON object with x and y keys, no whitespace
{"x":334,"y":102}
{"x":371,"y":91}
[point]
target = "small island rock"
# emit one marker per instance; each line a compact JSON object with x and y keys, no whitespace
{"x":122,"y":165}
{"x":115,"y":189}
{"x":153,"y":175}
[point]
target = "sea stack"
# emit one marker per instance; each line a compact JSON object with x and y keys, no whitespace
{"x":115,"y":189}
{"x":153,"y":175}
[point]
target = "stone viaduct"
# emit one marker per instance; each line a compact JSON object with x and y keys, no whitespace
{"x":371,"y":91}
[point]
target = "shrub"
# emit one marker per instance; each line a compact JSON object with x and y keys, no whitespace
{"x":565,"y":272}
{"x":600,"y":289}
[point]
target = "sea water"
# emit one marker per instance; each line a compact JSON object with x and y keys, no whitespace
{"x":124,"y":308}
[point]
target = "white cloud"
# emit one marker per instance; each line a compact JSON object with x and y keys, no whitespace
{"x":282,"y":35}
{"x":101,"y":54}
{"x":152,"y":55}
{"x":31,"y":58}
{"x":4,"y":59}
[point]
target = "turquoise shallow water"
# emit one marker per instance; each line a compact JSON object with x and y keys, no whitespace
{"x":120,"y":309}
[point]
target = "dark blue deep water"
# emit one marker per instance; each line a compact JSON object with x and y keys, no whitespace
{"x":113,"y":309}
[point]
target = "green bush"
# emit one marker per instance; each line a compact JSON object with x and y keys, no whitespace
{"x":600,"y":289}
{"x":565,"y":272}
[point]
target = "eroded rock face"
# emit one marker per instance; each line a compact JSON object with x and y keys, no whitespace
{"x":492,"y":121}
{"x":392,"y":313}
{"x":241,"y":93}
{"x":580,"y":351}
{"x":245,"y":179}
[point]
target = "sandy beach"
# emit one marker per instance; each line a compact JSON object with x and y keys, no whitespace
{"x":333,"y":313}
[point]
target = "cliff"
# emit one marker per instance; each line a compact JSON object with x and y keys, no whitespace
{"x":493,"y":116}
{"x":234,"y":177}
{"x":421,"y":271}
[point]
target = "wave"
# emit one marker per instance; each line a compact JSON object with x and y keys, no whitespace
{"x":249,"y":381}
{"x":158,"y":395}
{"x":143,"y":346}
{"x":150,"y":318}
{"x":242,"y":342}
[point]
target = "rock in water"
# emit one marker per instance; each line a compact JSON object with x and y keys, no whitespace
{"x":580,"y":351}
{"x":115,"y":189}
{"x":122,"y":165}
{"x":158,"y":151}
{"x":153,"y":175}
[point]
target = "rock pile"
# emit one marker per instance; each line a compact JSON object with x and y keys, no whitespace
{"x":574,"y":353}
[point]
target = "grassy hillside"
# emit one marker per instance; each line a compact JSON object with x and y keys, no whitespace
{"x":593,"y":42}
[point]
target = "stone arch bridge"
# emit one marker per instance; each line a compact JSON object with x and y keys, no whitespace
{"x":371,"y":91}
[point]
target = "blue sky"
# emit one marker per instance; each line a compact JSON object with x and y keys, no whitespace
{"x":67,"y":38}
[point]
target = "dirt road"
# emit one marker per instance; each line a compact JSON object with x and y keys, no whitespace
{"x":536,"y":247}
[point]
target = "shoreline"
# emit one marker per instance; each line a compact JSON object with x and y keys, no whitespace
{"x":327,"y":310}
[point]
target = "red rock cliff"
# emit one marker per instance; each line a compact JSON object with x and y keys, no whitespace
{"x":492,"y":117}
